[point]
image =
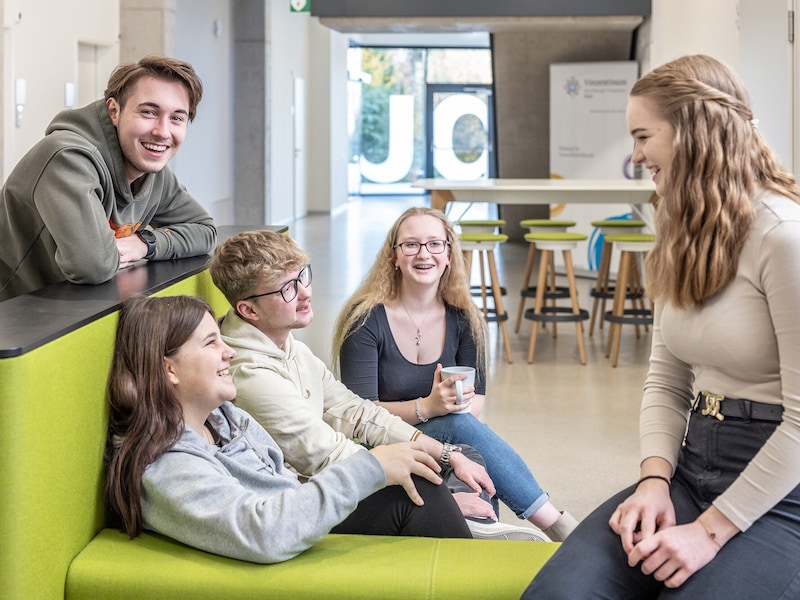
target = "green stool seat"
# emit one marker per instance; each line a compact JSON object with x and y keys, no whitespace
{"x":484,"y":237}
{"x":631,"y":223}
{"x":556,"y":236}
{"x":546,"y":223}
{"x":478,"y":226}
{"x":632,"y":238}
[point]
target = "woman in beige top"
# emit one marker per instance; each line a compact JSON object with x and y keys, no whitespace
{"x":716,"y":511}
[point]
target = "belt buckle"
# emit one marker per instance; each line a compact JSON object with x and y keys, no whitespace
{"x":713,"y":406}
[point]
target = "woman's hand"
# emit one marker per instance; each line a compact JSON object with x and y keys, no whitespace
{"x":672,"y":555}
{"x":472,"y":505}
{"x":647,"y":510}
{"x":400,"y":461}
{"x":471,"y":473}
{"x":442,"y":399}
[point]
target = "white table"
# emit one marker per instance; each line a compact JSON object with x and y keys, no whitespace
{"x":636,"y":192}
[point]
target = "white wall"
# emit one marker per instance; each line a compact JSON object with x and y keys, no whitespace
{"x":41,"y":40}
{"x":205,"y":162}
{"x":679,"y":27}
{"x":765,"y":65}
{"x":749,"y":35}
{"x":288,"y":47}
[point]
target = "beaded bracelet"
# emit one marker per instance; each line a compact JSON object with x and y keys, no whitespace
{"x":661,"y":477}
{"x":419,"y":414}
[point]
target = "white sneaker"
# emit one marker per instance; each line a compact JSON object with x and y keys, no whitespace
{"x":494,"y":530}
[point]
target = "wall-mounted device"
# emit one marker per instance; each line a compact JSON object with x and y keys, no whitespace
{"x":20,"y":92}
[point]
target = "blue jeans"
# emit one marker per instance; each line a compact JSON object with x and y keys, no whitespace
{"x":512,"y":478}
{"x":761,"y":562}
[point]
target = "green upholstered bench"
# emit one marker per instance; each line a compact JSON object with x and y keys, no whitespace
{"x":54,"y":543}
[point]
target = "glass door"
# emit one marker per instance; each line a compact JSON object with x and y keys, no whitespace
{"x":459,"y":131}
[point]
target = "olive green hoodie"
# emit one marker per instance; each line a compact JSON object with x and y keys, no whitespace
{"x":66,"y":198}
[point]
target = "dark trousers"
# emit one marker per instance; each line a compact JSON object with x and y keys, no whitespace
{"x":762,"y":562}
{"x":390,"y":512}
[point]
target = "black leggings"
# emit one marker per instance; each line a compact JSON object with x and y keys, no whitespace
{"x":390,"y":512}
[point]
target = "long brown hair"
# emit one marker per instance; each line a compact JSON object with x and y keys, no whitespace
{"x":720,"y":160}
{"x":382,"y":284}
{"x":145,"y":418}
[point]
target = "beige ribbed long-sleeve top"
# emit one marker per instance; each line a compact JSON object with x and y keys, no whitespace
{"x":743,"y":343}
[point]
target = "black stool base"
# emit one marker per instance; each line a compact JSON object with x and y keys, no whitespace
{"x":476,"y":291}
{"x":556,"y":314}
{"x":631,"y":316}
{"x":609,"y":294}
{"x":558,"y":292}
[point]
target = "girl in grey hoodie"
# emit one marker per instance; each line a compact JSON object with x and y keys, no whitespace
{"x":185,"y":462}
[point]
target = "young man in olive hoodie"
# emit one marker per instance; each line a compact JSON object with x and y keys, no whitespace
{"x":95,"y":194}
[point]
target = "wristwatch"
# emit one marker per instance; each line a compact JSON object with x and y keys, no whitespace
{"x":149,"y":238}
{"x":447,"y":450}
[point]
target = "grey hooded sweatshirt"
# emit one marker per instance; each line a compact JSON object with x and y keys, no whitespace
{"x":240,"y":501}
{"x":68,"y":198}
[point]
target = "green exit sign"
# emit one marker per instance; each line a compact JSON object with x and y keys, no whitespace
{"x":300,"y":5}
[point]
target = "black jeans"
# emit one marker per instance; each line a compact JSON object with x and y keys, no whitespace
{"x":762,"y":562}
{"x":390,"y":512}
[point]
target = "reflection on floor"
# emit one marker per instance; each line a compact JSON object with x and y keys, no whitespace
{"x":575,"y":426}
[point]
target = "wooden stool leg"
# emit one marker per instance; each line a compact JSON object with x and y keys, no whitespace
{"x":525,"y":283}
{"x":483,"y":283}
{"x":636,"y":288}
{"x":601,"y":286}
{"x":468,"y":264}
{"x":500,"y":311}
{"x":615,"y":330}
{"x":544,"y":261}
{"x":576,"y":309}
{"x":552,"y":288}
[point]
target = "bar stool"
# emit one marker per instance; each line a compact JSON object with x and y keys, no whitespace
{"x":602,"y":290}
{"x":547,"y":244}
{"x":630,"y":246}
{"x":528,"y":291}
{"x":484,"y":242}
{"x":481,"y":290}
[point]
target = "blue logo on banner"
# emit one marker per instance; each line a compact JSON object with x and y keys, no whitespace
{"x":572,"y":87}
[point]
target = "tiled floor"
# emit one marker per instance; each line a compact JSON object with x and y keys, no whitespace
{"x":576,"y":426}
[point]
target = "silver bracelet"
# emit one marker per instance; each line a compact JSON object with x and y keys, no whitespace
{"x":419,"y":414}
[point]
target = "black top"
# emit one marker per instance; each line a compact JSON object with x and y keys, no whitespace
{"x":374,"y":368}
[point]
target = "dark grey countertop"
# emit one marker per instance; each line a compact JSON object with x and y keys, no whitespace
{"x":32,"y":320}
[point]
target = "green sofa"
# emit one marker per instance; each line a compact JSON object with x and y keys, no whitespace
{"x":54,"y":543}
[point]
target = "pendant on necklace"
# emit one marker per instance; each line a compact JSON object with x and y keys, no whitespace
{"x":418,"y":337}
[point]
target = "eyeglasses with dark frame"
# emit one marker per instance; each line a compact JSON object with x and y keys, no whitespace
{"x":432,"y":246}
{"x":288,"y":290}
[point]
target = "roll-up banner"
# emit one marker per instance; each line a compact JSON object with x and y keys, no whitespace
{"x":589,"y":140}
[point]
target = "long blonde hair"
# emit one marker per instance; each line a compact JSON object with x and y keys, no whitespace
{"x":382,"y":284}
{"x":720,"y":160}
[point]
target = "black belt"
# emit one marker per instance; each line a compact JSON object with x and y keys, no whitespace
{"x":716,"y":405}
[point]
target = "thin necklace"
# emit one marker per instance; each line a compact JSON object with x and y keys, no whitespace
{"x":418,"y":337}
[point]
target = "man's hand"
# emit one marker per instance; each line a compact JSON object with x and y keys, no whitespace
{"x":131,"y":249}
{"x":401,"y":460}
